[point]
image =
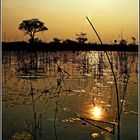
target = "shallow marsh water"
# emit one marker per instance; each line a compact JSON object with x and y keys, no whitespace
{"x":69,"y":95}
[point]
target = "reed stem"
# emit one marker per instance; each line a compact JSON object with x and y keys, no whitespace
{"x":115,"y":81}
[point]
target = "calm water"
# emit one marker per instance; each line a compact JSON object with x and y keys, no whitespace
{"x":69,"y":95}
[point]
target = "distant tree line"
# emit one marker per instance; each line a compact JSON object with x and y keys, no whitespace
{"x":32,"y":26}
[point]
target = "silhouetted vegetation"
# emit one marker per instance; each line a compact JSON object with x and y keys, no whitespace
{"x":66,"y":45}
{"x":31,"y":27}
{"x":81,"y":38}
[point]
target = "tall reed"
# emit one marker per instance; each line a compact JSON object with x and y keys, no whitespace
{"x":115,"y":81}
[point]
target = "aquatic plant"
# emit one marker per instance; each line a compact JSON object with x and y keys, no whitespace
{"x":115,"y":80}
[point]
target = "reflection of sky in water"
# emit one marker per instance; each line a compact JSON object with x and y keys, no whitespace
{"x":81,"y":83}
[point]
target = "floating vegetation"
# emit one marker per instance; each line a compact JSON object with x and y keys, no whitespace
{"x":95,"y":135}
{"x":76,"y":90}
{"x":134,"y":112}
{"x":71,"y":120}
{"x":24,"y":135}
{"x":109,"y":129}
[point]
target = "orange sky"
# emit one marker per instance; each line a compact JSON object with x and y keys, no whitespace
{"x":65,"y":18}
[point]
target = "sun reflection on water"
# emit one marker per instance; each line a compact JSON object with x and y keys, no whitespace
{"x":96,"y":112}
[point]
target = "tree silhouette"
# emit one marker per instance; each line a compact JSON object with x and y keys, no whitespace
{"x":115,"y":41}
{"x":123,"y":42}
{"x":134,"y":40}
{"x":56,"y":40}
{"x":31,"y":27}
{"x":81,"y":37}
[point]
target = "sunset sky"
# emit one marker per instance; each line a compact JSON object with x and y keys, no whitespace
{"x":66,"y":18}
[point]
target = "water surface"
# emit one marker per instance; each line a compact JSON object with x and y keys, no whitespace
{"x":69,"y":95}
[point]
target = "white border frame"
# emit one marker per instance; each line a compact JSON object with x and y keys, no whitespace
{"x":1,"y":70}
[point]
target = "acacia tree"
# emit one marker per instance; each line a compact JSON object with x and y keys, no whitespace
{"x":31,"y":27}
